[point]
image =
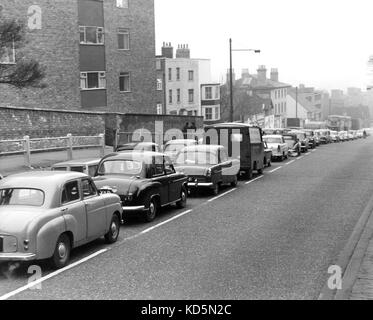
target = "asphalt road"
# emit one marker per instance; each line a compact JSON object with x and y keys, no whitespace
{"x":271,"y":238}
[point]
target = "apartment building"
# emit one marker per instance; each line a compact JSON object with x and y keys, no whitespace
{"x":97,"y":54}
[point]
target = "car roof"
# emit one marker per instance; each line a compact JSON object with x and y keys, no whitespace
{"x":77,"y":162}
{"x":177,"y":141}
{"x":273,"y":136}
{"x":44,"y":180}
{"x":135,"y":155}
{"x":204,"y":147}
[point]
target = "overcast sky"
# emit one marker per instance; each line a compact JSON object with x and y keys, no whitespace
{"x":321,"y":43}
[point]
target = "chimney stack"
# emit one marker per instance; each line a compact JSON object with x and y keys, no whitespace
{"x":167,"y":50}
{"x":183,"y":51}
{"x":274,"y":75}
{"x":262,"y":74}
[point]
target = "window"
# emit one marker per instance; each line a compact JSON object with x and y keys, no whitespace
{"x":178,"y":96}
{"x":217,"y":93}
{"x":8,"y":55}
{"x":89,"y":190}
{"x":124,"y":82}
{"x":122,"y":3}
{"x":170,"y":96}
{"x":223,"y":155}
{"x":169,"y":74}
{"x":208,"y":93}
{"x":70,"y":192}
{"x":178,"y":74}
{"x":123,"y":39}
{"x":208,"y":113}
{"x":91,"y":35}
{"x":168,"y":166}
{"x":159,"y":85}
{"x":92,"y":170}
{"x":158,"y":168}
{"x":190,"y":75}
{"x":217,"y":113}
{"x":92,"y":80}
{"x":21,"y":197}
{"x":191,"y":95}
{"x":159,"y":108}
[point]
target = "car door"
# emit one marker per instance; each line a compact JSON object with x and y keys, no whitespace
{"x":73,"y":206}
{"x":175,"y":181}
{"x":95,"y":209}
{"x":158,"y":175}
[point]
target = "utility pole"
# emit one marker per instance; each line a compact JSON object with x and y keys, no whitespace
{"x":296,"y":102}
{"x":231,"y":82}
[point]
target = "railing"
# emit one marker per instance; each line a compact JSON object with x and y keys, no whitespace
{"x":27,"y":146}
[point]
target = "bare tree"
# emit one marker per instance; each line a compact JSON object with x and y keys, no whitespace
{"x":15,"y":69}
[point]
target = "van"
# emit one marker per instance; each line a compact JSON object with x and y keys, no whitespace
{"x":248,"y":138}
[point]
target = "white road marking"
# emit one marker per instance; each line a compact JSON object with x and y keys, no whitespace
{"x":290,"y":162}
{"x":275,"y":169}
{"x":307,"y":154}
{"x":314,"y":150}
{"x":51,"y":275}
{"x":222,"y":195}
{"x":299,"y":157}
{"x":251,"y":181}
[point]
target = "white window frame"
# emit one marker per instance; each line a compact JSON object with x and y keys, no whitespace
{"x":124,"y":75}
{"x":210,"y":113}
{"x":159,"y":85}
{"x":122,"y":4}
{"x":101,"y":80}
{"x":98,"y":31}
{"x":124,"y":32}
{"x":210,"y":93}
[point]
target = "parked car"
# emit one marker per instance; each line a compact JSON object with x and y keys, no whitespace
{"x":342,"y":136}
{"x":208,"y":166}
{"x":279,"y":147}
{"x":312,"y":142}
{"x":138,"y":146}
{"x":335,"y":137}
{"x":173,"y":147}
{"x":280,"y":131}
{"x":145,"y":182}
{"x":353,"y":134}
{"x":87,"y":166}
{"x":45,"y":214}
{"x":293,"y":143}
{"x":267,"y":155}
{"x":244,"y":143}
{"x":302,"y":137}
{"x":360,"y":134}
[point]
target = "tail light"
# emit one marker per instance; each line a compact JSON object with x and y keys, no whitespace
{"x":278,"y":148}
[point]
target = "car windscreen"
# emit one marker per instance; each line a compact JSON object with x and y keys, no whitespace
{"x":126,"y":167}
{"x":59,"y":168}
{"x":78,"y":169}
{"x":197,"y":157}
{"x":272,"y":140}
{"x":21,"y":197}
{"x":174,"y":147}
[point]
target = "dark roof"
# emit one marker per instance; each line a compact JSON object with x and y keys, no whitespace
{"x":253,"y":82}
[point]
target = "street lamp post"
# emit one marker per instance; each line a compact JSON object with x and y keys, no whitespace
{"x":231,"y":75}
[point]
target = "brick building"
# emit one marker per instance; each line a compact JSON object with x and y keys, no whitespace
{"x":98,"y":54}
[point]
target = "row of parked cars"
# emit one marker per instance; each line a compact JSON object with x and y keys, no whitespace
{"x":45,"y":214}
{"x":287,"y":142}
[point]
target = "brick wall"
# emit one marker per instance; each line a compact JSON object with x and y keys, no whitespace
{"x":56,"y":47}
{"x":15,"y":123}
{"x":139,"y":60}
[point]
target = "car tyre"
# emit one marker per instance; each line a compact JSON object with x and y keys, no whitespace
{"x":183,"y":199}
{"x":152,"y":211}
{"x":113,"y":233}
{"x":61,"y":255}
{"x":215,"y":189}
{"x":234,"y":183}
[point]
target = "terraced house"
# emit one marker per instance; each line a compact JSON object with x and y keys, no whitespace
{"x":98,"y":54}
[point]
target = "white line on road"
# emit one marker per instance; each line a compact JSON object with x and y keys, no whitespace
{"x":307,"y":154}
{"x":163,"y":223}
{"x":290,"y":162}
{"x":51,"y":275}
{"x":299,"y":157}
{"x":222,"y":195}
{"x":275,"y":169}
{"x":251,"y":181}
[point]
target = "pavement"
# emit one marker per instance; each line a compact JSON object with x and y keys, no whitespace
{"x":15,"y":164}
{"x":273,"y":237}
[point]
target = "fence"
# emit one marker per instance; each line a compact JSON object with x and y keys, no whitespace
{"x":27,"y":146}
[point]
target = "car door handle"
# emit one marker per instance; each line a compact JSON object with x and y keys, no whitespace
{"x":64,"y":210}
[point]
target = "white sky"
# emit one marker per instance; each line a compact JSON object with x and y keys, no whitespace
{"x":321,"y":43}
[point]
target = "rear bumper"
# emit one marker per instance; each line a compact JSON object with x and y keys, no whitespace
{"x":17,"y":256}
{"x":200,"y":184}
{"x":134,"y":208}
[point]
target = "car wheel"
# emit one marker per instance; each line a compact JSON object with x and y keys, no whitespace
{"x":269,"y":163}
{"x":183,"y":199}
{"x":234,"y":183}
{"x":151,"y":213}
{"x":215,"y":190}
{"x":113,"y":233}
{"x":61,"y":255}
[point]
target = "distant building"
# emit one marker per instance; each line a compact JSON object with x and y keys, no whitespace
{"x":185,"y":85}
{"x":302,"y":107}
{"x":98,"y":54}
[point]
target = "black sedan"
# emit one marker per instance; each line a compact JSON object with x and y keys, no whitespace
{"x":145,"y":182}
